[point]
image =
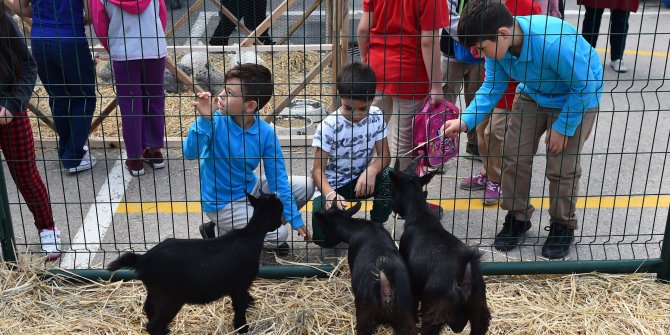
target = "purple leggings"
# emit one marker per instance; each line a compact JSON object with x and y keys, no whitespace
{"x":139,"y":88}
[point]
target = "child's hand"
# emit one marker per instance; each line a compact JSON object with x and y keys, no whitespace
{"x":203,"y":104}
{"x":303,"y":231}
{"x":341,"y":202}
{"x":436,"y":94}
{"x":555,"y":142}
{"x":365,"y":185}
{"x":451,"y":128}
{"x":5,"y":115}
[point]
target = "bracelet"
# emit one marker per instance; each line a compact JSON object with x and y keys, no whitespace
{"x":329,"y":193}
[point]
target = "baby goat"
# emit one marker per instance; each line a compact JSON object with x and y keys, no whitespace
{"x":379,"y":278}
{"x":445,"y":273}
{"x":194,"y":271}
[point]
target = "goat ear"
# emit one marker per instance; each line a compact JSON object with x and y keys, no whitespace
{"x":412,"y":166}
{"x":353,"y":210}
{"x":396,"y":166}
{"x":333,"y":205}
{"x":251,"y":198}
{"x":425,"y":179}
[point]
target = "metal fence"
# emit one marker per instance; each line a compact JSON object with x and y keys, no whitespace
{"x":622,"y":205}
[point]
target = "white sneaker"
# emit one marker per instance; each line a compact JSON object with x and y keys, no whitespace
{"x":50,"y":240}
{"x":618,"y":66}
{"x":87,"y":162}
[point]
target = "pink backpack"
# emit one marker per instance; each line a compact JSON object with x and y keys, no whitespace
{"x":427,"y":140}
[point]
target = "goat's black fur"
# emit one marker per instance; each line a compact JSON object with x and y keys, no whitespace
{"x":193,"y":271}
{"x":379,"y":278}
{"x":446,"y":275}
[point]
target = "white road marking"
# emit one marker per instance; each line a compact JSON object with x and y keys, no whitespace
{"x":98,"y":219}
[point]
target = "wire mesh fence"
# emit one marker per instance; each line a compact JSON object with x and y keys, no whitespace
{"x":623,"y":196}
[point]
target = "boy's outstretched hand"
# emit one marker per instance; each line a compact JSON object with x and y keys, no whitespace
{"x":303,"y":231}
{"x":365,"y":185}
{"x":555,"y":141}
{"x":203,"y":104}
{"x":451,"y":128}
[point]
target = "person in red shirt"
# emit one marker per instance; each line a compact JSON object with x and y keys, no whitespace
{"x":400,"y":40}
{"x":491,"y":131}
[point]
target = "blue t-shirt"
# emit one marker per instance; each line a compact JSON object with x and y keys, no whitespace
{"x":228,"y":157}
{"x":58,"y":19}
{"x":556,"y":67}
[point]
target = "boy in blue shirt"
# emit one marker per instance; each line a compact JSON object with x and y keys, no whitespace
{"x":230,"y":140}
{"x":560,"y":78}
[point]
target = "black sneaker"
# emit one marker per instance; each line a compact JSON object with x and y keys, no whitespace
{"x":207,"y":230}
{"x":473,"y":150}
{"x":511,"y":234}
{"x":282,"y":250}
{"x":559,"y":241}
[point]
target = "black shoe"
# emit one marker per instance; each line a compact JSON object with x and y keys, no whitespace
{"x":217,"y":41}
{"x":282,"y":250}
{"x":207,"y":230}
{"x":511,"y":234}
{"x":473,"y":150}
{"x":559,"y":241}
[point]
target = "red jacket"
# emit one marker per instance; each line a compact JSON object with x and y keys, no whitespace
{"x":627,"y":5}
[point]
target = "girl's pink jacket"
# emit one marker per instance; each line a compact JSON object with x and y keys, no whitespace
{"x":135,"y":7}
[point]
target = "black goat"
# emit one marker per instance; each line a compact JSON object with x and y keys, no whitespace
{"x":445,"y":273}
{"x":379,"y":278}
{"x":194,"y":271}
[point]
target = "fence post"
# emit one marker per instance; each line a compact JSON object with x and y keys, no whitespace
{"x":6,"y":228}
{"x":664,"y":270}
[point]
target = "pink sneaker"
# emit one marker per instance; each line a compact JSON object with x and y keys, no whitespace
{"x":492,"y":194}
{"x":474,"y":183}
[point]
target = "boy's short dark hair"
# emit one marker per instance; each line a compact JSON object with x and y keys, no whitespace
{"x":357,"y":81}
{"x":480,"y":21}
{"x":256,"y":82}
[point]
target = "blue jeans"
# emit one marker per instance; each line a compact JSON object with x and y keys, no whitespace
{"x":68,"y":74}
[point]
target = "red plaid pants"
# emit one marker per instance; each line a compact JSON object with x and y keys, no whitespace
{"x":18,"y":147}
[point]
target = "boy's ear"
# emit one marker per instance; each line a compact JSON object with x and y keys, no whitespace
{"x":250,"y":106}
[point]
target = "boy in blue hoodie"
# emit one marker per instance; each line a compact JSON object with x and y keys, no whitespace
{"x":230,"y":140}
{"x":560,"y":78}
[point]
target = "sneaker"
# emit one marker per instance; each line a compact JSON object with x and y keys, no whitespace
{"x":437,"y":169}
{"x":282,"y":250}
{"x":207,"y":230}
{"x":474,"y":183}
{"x":154,"y":158}
{"x":135,"y":166}
{"x":492,"y":194}
{"x":511,"y":234}
{"x":87,"y":162}
{"x":559,"y":240}
{"x":618,"y":66}
{"x":218,"y":42}
{"x":473,"y":150}
{"x":50,"y":241}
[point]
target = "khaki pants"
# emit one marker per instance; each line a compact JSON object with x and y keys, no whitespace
{"x":525,"y":125}
{"x":490,"y":139}
{"x":399,"y":114}
{"x":457,"y":75}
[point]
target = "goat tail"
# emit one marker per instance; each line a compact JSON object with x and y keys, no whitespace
{"x":471,"y":258}
{"x":127,"y":260}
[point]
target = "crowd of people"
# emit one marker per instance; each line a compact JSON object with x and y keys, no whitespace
{"x":523,"y":75}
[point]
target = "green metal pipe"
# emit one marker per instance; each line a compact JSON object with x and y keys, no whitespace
{"x":269,"y":272}
{"x":6,"y":228}
{"x":561,"y":267}
{"x":488,"y":268}
{"x":664,"y":270}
